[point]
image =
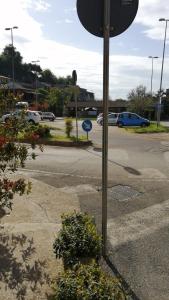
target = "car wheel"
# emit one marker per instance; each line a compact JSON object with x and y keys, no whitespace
{"x":7,"y":120}
{"x":120,"y":124}
{"x":32,"y":122}
{"x":143,"y":125}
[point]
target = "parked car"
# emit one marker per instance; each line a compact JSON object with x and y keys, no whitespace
{"x":48,"y":116}
{"x":112,"y":119}
{"x":40,"y":113}
{"x":131,"y":119}
{"x":30,"y":116}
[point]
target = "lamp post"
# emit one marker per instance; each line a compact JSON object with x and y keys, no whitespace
{"x":74,"y":77}
{"x":36,"y":82}
{"x":162,"y":68}
{"x":152,"y":72}
{"x":13,"y":71}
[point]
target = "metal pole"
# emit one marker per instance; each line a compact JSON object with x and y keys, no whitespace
{"x":152,"y":78}
{"x":36,"y":91}
{"x":36,"y":83}
{"x":76,"y":113}
{"x":161,"y":79}
{"x":105,"y":123}
{"x":13,"y":73}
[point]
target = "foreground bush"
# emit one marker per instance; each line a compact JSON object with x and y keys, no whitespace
{"x":41,"y":131}
{"x":13,"y":155}
{"x":78,"y":239}
{"x":88,"y":283}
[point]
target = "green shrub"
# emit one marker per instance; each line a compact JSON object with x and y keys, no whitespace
{"x":89,"y":283}
{"x":43,"y":131}
{"x":68,"y":127}
{"x":78,"y":239}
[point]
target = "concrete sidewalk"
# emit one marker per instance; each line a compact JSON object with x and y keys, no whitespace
{"x":27,"y":262}
{"x":137,"y":231}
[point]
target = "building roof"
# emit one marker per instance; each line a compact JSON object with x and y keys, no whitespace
{"x":97,"y":104}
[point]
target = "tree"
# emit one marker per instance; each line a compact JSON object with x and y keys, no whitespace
{"x":65,"y":81}
{"x":48,"y":76}
{"x":27,"y":72}
{"x":56,"y":101}
{"x":140,"y":101}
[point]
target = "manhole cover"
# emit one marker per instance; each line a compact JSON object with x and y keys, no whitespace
{"x":97,"y":149}
{"x":122,"y":193}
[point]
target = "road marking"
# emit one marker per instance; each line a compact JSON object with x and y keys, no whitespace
{"x":137,"y":224}
{"x":57,"y":173}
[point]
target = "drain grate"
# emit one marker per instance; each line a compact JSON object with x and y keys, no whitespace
{"x":122,"y":193}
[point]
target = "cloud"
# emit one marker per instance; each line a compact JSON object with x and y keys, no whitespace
{"x":41,"y":5}
{"x":149,"y":13}
{"x":126,"y":72}
{"x":68,"y":21}
{"x":69,"y":10}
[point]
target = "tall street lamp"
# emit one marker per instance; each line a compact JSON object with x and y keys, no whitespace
{"x":152,"y":71}
{"x":13,"y":72}
{"x":36,"y":82}
{"x":162,"y":68}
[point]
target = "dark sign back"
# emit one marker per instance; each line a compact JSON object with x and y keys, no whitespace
{"x":91,"y":15}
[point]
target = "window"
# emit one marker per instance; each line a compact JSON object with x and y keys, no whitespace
{"x":133,"y":116}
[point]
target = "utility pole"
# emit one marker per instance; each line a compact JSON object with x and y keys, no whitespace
{"x":13,"y":64}
{"x":36,"y":84}
{"x":162,"y":69}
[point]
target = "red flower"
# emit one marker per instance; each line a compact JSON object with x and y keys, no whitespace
{"x":2,"y":141}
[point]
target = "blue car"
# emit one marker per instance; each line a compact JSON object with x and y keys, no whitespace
{"x":131,"y":119}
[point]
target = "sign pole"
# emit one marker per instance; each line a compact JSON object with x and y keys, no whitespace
{"x":106,"y":30}
{"x":76,"y":114}
{"x":99,"y":21}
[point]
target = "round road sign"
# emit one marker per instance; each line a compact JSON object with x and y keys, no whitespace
{"x":87,"y":125}
{"x":91,"y":15}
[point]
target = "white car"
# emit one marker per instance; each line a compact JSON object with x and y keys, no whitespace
{"x":112,"y":119}
{"x":31,"y":116}
{"x":48,"y":116}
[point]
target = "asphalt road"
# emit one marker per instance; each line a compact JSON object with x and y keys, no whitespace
{"x":138,"y":200}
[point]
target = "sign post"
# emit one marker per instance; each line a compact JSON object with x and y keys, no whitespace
{"x":106,"y":30}
{"x":106,"y":18}
{"x":87,"y":126}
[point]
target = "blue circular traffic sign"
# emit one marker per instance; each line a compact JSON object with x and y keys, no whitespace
{"x":87,"y":125}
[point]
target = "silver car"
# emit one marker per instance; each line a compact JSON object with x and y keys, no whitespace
{"x":112,"y":119}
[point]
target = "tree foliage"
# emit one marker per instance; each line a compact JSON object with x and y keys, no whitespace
{"x":27,"y":72}
{"x":140,"y":101}
{"x":55,"y":101}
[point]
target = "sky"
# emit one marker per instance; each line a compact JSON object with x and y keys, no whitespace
{"x":50,"y":31}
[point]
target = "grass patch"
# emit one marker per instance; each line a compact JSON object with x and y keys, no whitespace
{"x":85,"y":118}
{"x":150,"y":129}
{"x":55,"y":128}
{"x":63,"y":138}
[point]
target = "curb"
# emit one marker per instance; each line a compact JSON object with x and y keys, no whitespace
{"x":60,"y":143}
